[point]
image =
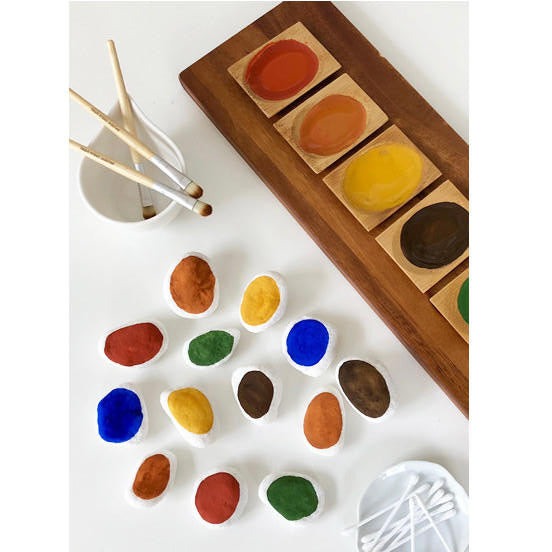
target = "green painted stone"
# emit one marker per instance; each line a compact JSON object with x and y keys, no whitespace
{"x":293,"y":497}
{"x":464,"y":301}
{"x":211,"y":347}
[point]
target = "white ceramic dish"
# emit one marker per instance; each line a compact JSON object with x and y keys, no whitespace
{"x":240,"y":506}
{"x":115,"y":199}
{"x":138,"y":502}
{"x":389,"y":486}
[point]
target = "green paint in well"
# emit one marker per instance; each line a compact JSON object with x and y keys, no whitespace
{"x":464,"y":301}
{"x":293,"y":497}
{"x":211,"y":347}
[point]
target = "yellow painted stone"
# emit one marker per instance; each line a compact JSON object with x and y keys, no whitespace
{"x":191,"y":409}
{"x":383,"y":177}
{"x":260,"y":301}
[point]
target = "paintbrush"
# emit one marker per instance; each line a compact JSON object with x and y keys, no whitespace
{"x":184,"y":181}
{"x":179,"y":196}
{"x":148,"y":210}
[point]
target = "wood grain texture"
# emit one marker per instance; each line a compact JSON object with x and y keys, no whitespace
{"x":327,"y":65}
{"x":392,"y":135}
{"x":446,"y":302}
{"x":376,"y":277}
{"x":289,"y":125}
{"x":424,"y":278}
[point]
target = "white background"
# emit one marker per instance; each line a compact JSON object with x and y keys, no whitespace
{"x":117,"y":276}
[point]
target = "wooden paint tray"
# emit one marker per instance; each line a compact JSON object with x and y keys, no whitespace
{"x":407,"y":310}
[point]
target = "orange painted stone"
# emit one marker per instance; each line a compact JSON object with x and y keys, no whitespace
{"x":323,"y":422}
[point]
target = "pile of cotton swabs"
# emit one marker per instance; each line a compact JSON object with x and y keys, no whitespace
{"x":428,"y":506}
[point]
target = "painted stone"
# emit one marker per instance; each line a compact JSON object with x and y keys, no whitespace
{"x":191,"y":413}
{"x":135,"y":345}
{"x":295,"y":497}
{"x":366,"y":387}
{"x":323,"y":422}
{"x":191,"y":288}
{"x":263,"y":302}
{"x":258,"y":393}
{"x":220,"y":497}
{"x":121,"y":415}
{"x":152,"y":479}
{"x":211,"y":348}
{"x":308,"y":345}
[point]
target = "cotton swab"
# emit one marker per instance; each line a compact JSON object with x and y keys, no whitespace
{"x":412,"y":535}
{"x":430,"y":519}
{"x":402,"y":531}
{"x":438,"y":498}
{"x":412,"y":481}
{"x":421,"y":489}
{"x":396,"y":544}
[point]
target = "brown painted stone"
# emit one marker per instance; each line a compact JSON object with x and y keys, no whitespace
{"x":255,"y":393}
{"x":152,"y":477}
{"x":365,"y":387}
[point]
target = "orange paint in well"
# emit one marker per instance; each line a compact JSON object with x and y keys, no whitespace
{"x":332,"y":125}
{"x":281,"y":69}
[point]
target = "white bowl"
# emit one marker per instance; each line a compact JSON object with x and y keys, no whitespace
{"x":114,"y":198}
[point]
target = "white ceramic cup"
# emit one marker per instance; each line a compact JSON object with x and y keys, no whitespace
{"x":114,"y":198}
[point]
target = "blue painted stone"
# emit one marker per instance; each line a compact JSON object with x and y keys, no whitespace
{"x":307,"y":342}
{"x":119,"y":415}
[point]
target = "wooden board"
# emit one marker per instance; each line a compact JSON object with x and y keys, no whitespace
{"x":289,"y":125}
{"x":408,"y":312}
{"x":446,"y":302}
{"x":370,"y":220}
{"x":327,"y":66}
{"x":424,"y":278}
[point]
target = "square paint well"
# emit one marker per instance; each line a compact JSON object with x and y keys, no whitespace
{"x":289,"y":126}
{"x":327,"y":65}
{"x":424,"y":278}
{"x":446,"y":302}
{"x":391,"y":136}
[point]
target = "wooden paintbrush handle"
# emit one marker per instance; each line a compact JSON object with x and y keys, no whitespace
{"x":124,"y":102}
{"x":113,"y":165}
{"x":120,"y":132}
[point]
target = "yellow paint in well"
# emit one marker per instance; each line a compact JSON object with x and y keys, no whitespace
{"x":383,"y":177}
{"x":260,"y":301}
{"x":191,"y":409}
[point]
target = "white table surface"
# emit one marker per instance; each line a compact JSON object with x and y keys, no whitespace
{"x":116,"y":276}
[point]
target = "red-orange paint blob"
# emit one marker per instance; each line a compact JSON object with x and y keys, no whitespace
{"x":281,"y":69}
{"x":217,"y":497}
{"x":133,"y":345}
{"x":333,"y":124}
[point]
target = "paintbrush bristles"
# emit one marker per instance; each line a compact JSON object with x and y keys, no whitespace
{"x":194,"y":190}
{"x":148,"y":211}
{"x":203,"y":209}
